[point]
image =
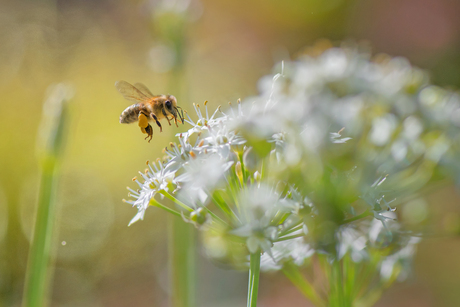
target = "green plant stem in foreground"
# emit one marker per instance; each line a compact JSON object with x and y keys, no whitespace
{"x":51,"y":139}
{"x":254,"y":273}
{"x":38,"y":276}
{"x":182,"y":239}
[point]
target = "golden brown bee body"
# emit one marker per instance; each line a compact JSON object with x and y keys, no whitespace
{"x":147,"y":107}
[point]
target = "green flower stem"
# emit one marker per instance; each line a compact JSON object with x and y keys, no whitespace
{"x":246,"y":173}
{"x":171,"y":25}
{"x":182,"y":237}
{"x":39,"y":264}
{"x":253,"y":285}
{"x":279,"y":218}
{"x":338,"y":273}
{"x":297,"y":227}
{"x":289,"y":237}
{"x":350,"y":220}
{"x":358,"y":217}
{"x":293,"y":274}
{"x":176,"y":201}
{"x":154,"y":202}
{"x":215,"y":217}
{"x":222,"y":205}
{"x":349,"y":272}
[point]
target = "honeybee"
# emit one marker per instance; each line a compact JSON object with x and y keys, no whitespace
{"x":148,"y":107}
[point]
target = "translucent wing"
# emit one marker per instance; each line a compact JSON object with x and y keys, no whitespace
{"x":141,"y":87}
{"x":130,"y":92}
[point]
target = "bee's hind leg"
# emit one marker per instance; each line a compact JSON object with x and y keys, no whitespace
{"x":156,"y":120}
{"x":149,"y":131}
{"x":145,"y":126}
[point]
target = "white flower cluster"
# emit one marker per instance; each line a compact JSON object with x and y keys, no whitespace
{"x":330,"y":140}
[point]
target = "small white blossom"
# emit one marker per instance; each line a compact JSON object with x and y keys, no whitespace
{"x":156,"y":179}
{"x":203,"y":122}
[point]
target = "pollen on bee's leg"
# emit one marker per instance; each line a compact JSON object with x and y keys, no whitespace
{"x":143,"y":120}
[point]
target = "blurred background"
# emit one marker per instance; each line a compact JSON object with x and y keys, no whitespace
{"x":229,"y":46}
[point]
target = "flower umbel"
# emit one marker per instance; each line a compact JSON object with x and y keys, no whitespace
{"x":310,"y":169}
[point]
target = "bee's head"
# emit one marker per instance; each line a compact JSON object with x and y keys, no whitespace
{"x":170,"y":104}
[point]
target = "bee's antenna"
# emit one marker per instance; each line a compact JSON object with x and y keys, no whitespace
{"x":180,"y":116}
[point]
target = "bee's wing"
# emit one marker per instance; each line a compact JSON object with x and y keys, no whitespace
{"x":130,"y":92}
{"x":141,"y":87}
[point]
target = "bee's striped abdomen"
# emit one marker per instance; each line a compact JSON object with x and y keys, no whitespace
{"x":130,"y":114}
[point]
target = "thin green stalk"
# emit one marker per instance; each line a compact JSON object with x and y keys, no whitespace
{"x":358,"y":217}
{"x":253,"y":284}
{"x":297,"y":227}
{"x":233,"y":191}
{"x":171,"y":24}
{"x":222,"y":205}
{"x":349,"y":272}
{"x":176,"y":201}
{"x":337,"y":294}
{"x":182,"y":239}
{"x":289,"y":237}
{"x":154,"y":202}
{"x":39,"y":264}
{"x":216,"y":217}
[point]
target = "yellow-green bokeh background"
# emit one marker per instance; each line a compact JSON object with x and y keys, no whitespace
{"x":231,"y":44}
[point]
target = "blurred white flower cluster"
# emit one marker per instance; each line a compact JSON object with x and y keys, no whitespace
{"x":313,"y":164}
